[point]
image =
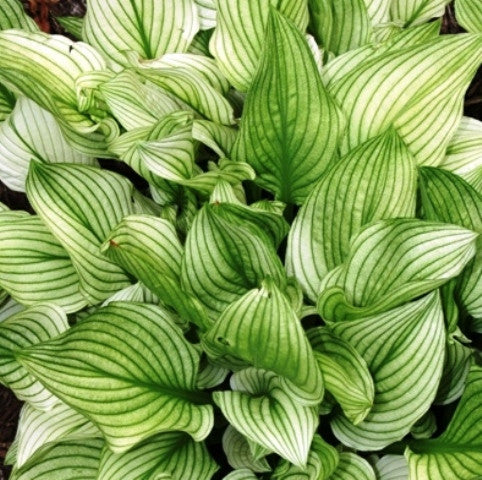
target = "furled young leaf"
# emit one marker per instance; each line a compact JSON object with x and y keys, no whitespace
{"x":12,"y":15}
{"x":37,"y":428}
{"x":419,"y":90}
{"x":340,"y":26}
{"x":448,"y":198}
{"x":403,"y":349}
{"x":149,"y":28}
{"x":469,"y":15}
{"x":353,"y":467}
{"x":391,"y":467}
{"x":391,"y":262}
{"x":128,"y":368}
{"x":345,"y":373}
{"x":239,"y":454}
{"x":413,"y":12}
{"x":45,"y":68}
{"x":72,"y":25}
{"x":457,"y":453}
{"x":240,"y":33}
{"x":260,"y":409}
{"x":464,"y":155}
{"x":32,"y":133}
{"x":34,"y":267}
{"x":29,"y":327}
{"x":374,"y":181}
{"x":425,"y":426}
{"x":230,"y":249}
{"x":173,"y":453}
{"x":148,"y":248}
{"x":290,"y":125}
{"x":72,"y":459}
{"x":63,"y":196}
{"x":262,"y":329}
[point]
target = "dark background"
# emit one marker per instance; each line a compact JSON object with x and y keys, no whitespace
{"x":44,"y":12}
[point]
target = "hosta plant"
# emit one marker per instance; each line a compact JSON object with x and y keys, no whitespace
{"x":253,"y":250}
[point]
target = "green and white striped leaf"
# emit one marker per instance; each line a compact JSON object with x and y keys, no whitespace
{"x":29,"y":327}
{"x":149,"y":28}
{"x":239,"y":454}
{"x":391,"y":262}
{"x":464,"y":152}
{"x":72,"y":25}
{"x":260,"y":409}
{"x":29,"y":133}
{"x":457,"y":360}
{"x":404,"y":350}
{"x":448,"y":198}
{"x":418,"y":89}
{"x":9,"y":307}
{"x":37,"y":428}
{"x":391,"y":467}
{"x":340,"y":26}
{"x":133,"y":293}
{"x":72,"y":459}
{"x":290,"y":125}
{"x":218,"y":138}
{"x":172,"y":453}
{"x":241,"y":474}
{"x":457,"y":453}
{"x":12,"y":15}
{"x":240,"y":34}
{"x":34,"y":267}
{"x":64,"y":198}
{"x":7,"y":103}
{"x":353,"y":467}
{"x":207,"y":10}
{"x":262,"y":330}
{"x":425,"y":427}
{"x":45,"y":68}
{"x":374,"y":181}
{"x":149,"y":249}
{"x":128,"y":368}
{"x":345,"y":373}
{"x":230,"y":249}
{"x":414,"y":12}
{"x":469,"y":15}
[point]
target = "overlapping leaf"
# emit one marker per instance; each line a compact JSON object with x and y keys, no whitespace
{"x":391,"y":467}
{"x":469,"y":15}
{"x":353,"y":467}
{"x":128,"y":368}
{"x":413,"y":12}
{"x":12,"y":15}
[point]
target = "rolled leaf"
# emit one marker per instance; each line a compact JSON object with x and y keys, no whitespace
{"x":72,"y":25}
{"x":128,"y":368}
{"x":391,"y":467}
{"x":290,"y":125}
{"x":353,"y":467}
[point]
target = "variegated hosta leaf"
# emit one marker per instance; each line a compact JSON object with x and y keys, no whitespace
{"x":240,"y":33}
{"x":391,"y":467}
{"x":211,"y":375}
{"x":10,"y":307}
{"x":81,"y":205}
{"x":149,"y":28}
{"x":353,"y":467}
{"x":238,"y":452}
{"x":218,"y":138}
{"x":378,"y":10}
{"x":260,"y":409}
{"x":12,"y":15}
{"x":425,"y":426}
{"x":457,"y":360}
{"x":207,"y":10}
{"x":469,"y":15}
{"x":29,"y":327}
{"x":241,"y":474}
{"x":37,"y":428}
{"x":230,"y":249}
{"x":340,"y":26}
{"x":345,"y":373}
{"x":72,"y":25}
{"x":322,"y":462}
{"x":34,"y":267}
{"x":128,"y":368}
{"x":172,"y":453}
{"x":413,"y":12}
{"x":290,"y":125}
{"x":262,"y":330}
{"x":32,"y":133}
{"x":457,"y":453}
{"x":392,"y":261}
{"x":448,"y":198}
{"x":133,"y":293}
{"x":403,"y":349}
{"x":419,"y":90}
{"x":374,"y":181}
{"x":45,"y":69}
{"x":73,"y":459}
{"x":148,"y":248}
{"x":7,"y":103}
